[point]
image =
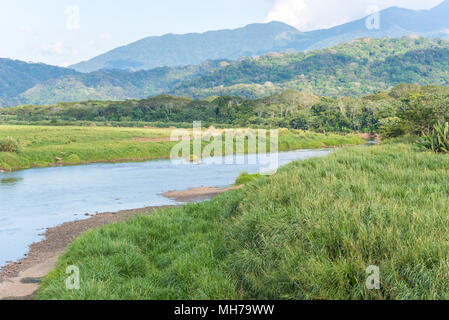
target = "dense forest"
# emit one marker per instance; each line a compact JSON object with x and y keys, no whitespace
{"x":357,"y":68}
{"x":404,"y":108}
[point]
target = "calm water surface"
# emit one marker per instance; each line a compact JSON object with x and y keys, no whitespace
{"x":35,"y":199}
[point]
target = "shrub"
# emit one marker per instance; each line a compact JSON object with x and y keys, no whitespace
{"x":246,"y":178}
{"x":438,"y":140}
{"x":73,"y":158}
{"x":9,"y":144}
{"x":391,"y":127}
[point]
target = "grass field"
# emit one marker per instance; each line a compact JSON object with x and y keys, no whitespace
{"x":41,"y":145}
{"x":308,"y":232}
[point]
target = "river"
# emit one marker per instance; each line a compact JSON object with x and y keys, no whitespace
{"x":36,"y":199}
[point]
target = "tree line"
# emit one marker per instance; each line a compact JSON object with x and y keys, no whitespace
{"x":404,"y":108}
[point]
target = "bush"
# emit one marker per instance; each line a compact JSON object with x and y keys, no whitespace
{"x":9,"y":144}
{"x":438,"y":140}
{"x":73,"y":158}
{"x":246,"y":178}
{"x":391,"y":127}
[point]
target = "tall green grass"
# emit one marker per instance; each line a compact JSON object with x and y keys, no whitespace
{"x":308,"y":232}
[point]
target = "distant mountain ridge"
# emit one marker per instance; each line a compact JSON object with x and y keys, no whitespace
{"x":193,"y":48}
{"x":257,"y":39}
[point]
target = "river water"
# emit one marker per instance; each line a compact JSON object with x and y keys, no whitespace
{"x":35,"y":199}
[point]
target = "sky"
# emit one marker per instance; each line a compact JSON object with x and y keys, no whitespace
{"x":64,"y":32}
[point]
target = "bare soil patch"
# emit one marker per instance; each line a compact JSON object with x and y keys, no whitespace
{"x":197,"y":194}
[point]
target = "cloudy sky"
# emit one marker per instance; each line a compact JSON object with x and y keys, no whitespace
{"x":63,"y":32}
{"x":315,"y":14}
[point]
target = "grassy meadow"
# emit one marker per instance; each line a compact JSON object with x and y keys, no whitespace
{"x":42,"y":145}
{"x":308,"y":232}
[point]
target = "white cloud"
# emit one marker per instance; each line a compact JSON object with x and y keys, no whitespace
{"x":105,"y":36}
{"x":73,"y":21}
{"x":316,"y":14}
{"x":295,"y":13}
{"x":54,"y":49}
{"x":27,"y":30}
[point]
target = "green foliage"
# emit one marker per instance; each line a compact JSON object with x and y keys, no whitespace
{"x":8,"y":144}
{"x":246,"y":178}
{"x":356,"y":68}
{"x":308,"y":232}
{"x":418,"y":108}
{"x":421,"y":109}
{"x":391,"y":127}
{"x":438,"y":140}
{"x":72,"y":159}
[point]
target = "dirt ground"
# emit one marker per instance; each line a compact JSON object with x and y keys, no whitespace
{"x":197,"y":194}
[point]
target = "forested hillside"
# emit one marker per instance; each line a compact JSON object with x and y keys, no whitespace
{"x":17,"y":76}
{"x":21,"y":84}
{"x":357,"y":68}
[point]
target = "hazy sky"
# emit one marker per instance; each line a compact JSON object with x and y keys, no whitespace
{"x":64,"y":32}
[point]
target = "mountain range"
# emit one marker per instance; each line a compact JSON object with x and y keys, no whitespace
{"x":247,"y":61}
{"x":256,"y":39}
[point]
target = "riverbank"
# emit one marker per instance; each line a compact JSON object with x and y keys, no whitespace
{"x":21,"y":279}
{"x":47,"y":146}
{"x":308,"y":232}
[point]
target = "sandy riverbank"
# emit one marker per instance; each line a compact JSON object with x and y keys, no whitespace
{"x":197,"y":194}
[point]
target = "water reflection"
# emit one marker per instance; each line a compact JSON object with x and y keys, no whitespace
{"x":11,"y":181}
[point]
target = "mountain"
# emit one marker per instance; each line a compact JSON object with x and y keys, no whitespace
{"x":30,"y":83}
{"x":18,"y":76}
{"x":257,"y":39}
{"x":356,"y":68}
{"x":177,"y":50}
